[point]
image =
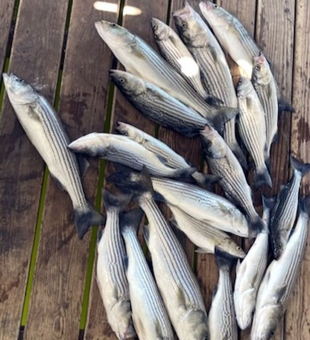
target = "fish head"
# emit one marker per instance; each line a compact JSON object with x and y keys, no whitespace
{"x":120,"y":317}
{"x":244,"y":87}
{"x":161,"y":31}
{"x":18,"y":90}
{"x":127,"y":82}
{"x":278,"y":242}
{"x":261,"y":70}
{"x":115,"y":36}
{"x":213,"y":143}
{"x":93,"y":144}
{"x":195,"y":325}
{"x":215,"y":15}
{"x":245,"y":309}
{"x":233,"y":249}
{"x":130,"y":131}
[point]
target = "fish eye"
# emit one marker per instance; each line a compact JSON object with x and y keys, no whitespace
{"x":279,"y":245}
{"x":122,"y":80}
{"x":208,"y":143}
{"x":184,"y":25}
{"x":257,"y":67}
{"x":216,"y":6}
{"x":238,"y":248}
{"x":113,"y":25}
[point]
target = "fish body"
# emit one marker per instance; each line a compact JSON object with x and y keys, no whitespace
{"x":231,"y":34}
{"x":205,"y":236}
{"x":149,"y":315}
{"x":223,"y":163}
{"x":252,"y":128}
{"x":157,"y":105}
{"x":202,"y":205}
{"x":222,"y":322}
{"x":177,"y":55}
{"x":111,"y":275}
{"x":279,"y":280}
{"x":284,"y":213}
{"x":123,"y":150}
{"x":45,"y":131}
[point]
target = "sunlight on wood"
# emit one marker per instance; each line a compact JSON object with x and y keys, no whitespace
{"x":113,"y":8}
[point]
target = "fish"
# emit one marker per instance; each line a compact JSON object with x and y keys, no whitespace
{"x":250,"y":272}
{"x":222,"y":321}
{"x":141,"y":60}
{"x":252,"y":129}
{"x":123,"y":150}
{"x":212,"y":62}
{"x":45,"y":131}
{"x":110,"y":268}
{"x":174,"y":277}
{"x":160,"y":107}
{"x":284,"y":213}
{"x":162,"y":150}
{"x":233,"y":37}
{"x":266,"y":89}
{"x":201,"y":204}
{"x":204,"y":236}
{"x":149,"y":315}
{"x":279,"y":281}
{"x":177,"y":55}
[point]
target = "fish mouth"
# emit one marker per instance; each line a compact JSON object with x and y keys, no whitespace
{"x":121,"y":128}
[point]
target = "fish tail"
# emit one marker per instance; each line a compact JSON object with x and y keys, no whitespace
{"x":130,"y":220}
{"x":284,"y":105}
{"x":224,"y":260}
{"x":119,"y":202}
{"x":303,"y":168}
{"x":205,"y":180}
{"x":268,"y":204}
{"x":212,"y":100}
{"x":262,"y":177}
{"x":257,"y":225}
{"x":221,"y":115}
{"x":85,"y":219}
{"x":183,"y":173}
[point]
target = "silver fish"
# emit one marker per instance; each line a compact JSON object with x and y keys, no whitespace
{"x":222,"y":321}
{"x":111,"y":275}
{"x":175,"y":52}
{"x":160,"y":149}
{"x":212,"y":62}
{"x":279,"y":280}
{"x":266,"y":88}
{"x":123,"y":150}
{"x":202,"y":205}
{"x":141,"y":60}
{"x":231,"y":34}
{"x":252,"y":128}
{"x":176,"y":282}
{"x":203,"y":235}
{"x":284,"y":213}
{"x":45,"y":131}
{"x":149,"y":315}
{"x":250,"y":271}
{"x":223,"y":163}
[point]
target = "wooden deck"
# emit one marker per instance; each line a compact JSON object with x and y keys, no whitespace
{"x":47,"y":283}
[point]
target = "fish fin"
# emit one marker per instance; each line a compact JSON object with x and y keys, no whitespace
{"x":303,"y":168}
{"x":146,"y":234}
{"x":262,"y":177}
{"x":224,"y":260}
{"x":131,"y":220}
{"x":205,"y":180}
{"x":159,"y":197}
{"x":119,"y":202}
{"x":256,"y":226}
{"x":239,"y":155}
{"x":85,"y":219}
{"x":212,"y":100}
{"x":303,"y":204}
{"x":269,"y":202}
{"x":184,"y":173}
{"x":181,"y":297}
{"x":222,"y":114}
{"x":283,"y":105}
{"x":125,"y":262}
{"x":280,"y":293}
{"x":238,"y":266}
{"x":83,"y":165}
{"x":100,"y":233}
{"x":58,"y":183}
{"x":163,"y":159}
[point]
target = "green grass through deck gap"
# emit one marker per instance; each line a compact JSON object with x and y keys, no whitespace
{"x":2,"y":88}
{"x":102,"y":168}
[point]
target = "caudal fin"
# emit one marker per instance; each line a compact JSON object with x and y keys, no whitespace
{"x":130,"y":220}
{"x":221,"y":115}
{"x":303,"y":168}
{"x":85,"y":219}
{"x":205,"y":180}
{"x":257,"y":225}
{"x":262,"y":177}
{"x":212,"y":100}
{"x":224,"y":260}
{"x":284,"y":105}
{"x":268,"y":204}
{"x":118,"y":202}
{"x":183,"y":173}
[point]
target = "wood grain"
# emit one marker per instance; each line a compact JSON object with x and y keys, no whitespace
{"x":297,"y":321}
{"x":35,"y":56}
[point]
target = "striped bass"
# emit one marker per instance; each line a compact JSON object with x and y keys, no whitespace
{"x":231,"y":34}
{"x":141,"y":60}
{"x":123,"y":150}
{"x":176,"y":282}
{"x":45,"y":131}
{"x":223,"y":163}
{"x":161,"y":107}
{"x":177,"y":55}
{"x":284,"y":213}
{"x":222,"y":321}
{"x":160,"y":149}
{"x":266,"y":89}
{"x":212,"y":62}
{"x":280,"y":278}
{"x":203,"y":235}
{"x":250,"y":271}
{"x":252,"y":128}
{"x":111,"y":275}
{"x":202,"y":205}
{"x":149,"y":315}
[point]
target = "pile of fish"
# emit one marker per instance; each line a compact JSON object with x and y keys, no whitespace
{"x":188,"y":88}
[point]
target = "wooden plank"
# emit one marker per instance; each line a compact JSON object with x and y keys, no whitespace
{"x":297,"y":317}
{"x":6,"y":14}
{"x":56,"y":301}
{"x":35,"y":55}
